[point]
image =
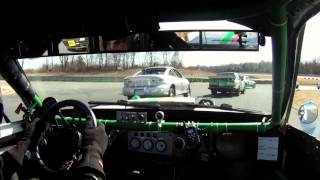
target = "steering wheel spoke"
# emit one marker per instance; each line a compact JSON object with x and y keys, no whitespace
{"x":60,"y":114}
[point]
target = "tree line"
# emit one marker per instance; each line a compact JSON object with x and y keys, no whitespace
{"x":109,"y":62}
{"x":260,"y":67}
{"x":310,"y":67}
{"x":305,"y":68}
{"x":123,"y":61}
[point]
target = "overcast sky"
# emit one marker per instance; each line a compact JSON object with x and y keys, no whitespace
{"x":310,"y":47}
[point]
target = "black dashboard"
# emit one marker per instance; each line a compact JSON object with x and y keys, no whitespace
{"x":184,"y":146}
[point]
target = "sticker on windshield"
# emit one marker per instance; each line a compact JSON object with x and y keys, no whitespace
{"x":71,"y":43}
{"x":268,"y":148}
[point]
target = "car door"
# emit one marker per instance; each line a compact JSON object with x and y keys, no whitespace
{"x":183,"y":82}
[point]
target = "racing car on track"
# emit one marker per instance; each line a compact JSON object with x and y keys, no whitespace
{"x":156,"y":81}
{"x":248,"y":83}
{"x":242,"y":137}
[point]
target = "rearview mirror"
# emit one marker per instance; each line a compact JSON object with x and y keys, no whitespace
{"x":198,"y":40}
{"x":221,"y":40}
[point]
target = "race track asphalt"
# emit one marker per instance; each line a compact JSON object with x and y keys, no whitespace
{"x":259,"y":98}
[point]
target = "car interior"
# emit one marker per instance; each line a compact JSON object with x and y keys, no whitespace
{"x":161,"y":140}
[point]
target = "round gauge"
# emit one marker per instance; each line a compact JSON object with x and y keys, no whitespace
{"x":159,"y":115}
{"x":135,"y":143}
{"x":147,"y":144}
{"x":179,"y":143}
{"x":161,"y":146}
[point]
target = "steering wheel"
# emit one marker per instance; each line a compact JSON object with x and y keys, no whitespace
{"x":58,"y":144}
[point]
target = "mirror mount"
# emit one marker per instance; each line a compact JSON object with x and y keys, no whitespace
{"x":262,"y":39}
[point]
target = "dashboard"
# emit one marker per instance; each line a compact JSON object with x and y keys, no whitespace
{"x":146,"y":140}
{"x":179,"y":140}
{"x":144,"y":153}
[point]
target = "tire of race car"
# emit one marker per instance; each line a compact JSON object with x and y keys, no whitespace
{"x":188,"y":94}
{"x":237,"y":92}
{"x":172,"y":92}
{"x":213,"y":92}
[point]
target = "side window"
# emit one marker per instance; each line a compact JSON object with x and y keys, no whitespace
{"x":10,"y":101}
{"x":178,"y":74}
{"x":306,"y":101}
{"x":172,"y":73}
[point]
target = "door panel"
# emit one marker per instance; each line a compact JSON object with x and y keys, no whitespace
{"x":302,"y":155}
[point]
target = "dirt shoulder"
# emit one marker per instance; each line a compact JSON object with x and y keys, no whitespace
{"x":304,"y":96}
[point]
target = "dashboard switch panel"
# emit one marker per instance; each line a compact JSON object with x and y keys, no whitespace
{"x":136,"y":117}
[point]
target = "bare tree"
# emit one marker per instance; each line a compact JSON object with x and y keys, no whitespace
{"x":149,"y":59}
{"x":106,"y":61}
{"x":116,"y":60}
{"x":176,"y":60}
{"x":80,"y":64}
{"x":100,"y":61}
{"x":125,"y":60}
{"x":71,"y":64}
{"x":165,"y":58}
{"x":132,"y":59}
{"x":64,"y":62}
{"x":89,"y":60}
{"x":52,"y":66}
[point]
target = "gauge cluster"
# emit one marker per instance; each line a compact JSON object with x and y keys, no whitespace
{"x":161,"y":143}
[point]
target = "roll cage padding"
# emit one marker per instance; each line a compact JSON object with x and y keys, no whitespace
{"x":12,"y":72}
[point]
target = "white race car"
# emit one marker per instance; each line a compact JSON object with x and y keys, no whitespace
{"x":156,"y":82}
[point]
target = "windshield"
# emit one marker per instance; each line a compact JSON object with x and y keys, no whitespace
{"x":120,"y":76}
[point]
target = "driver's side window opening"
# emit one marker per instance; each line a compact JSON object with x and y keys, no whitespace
{"x":10,"y":101}
{"x":307,"y":87}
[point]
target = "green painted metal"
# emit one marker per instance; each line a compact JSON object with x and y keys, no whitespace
{"x":227,"y":38}
{"x":278,"y":22}
{"x":217,"y":127}
{"x":136,"y":97}
{"x":37,"y":101}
